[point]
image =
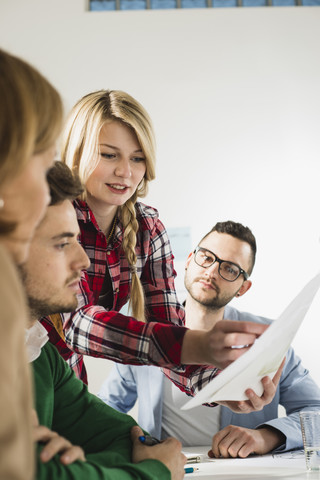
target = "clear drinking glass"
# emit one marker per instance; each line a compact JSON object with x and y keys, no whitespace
{"x":310,"y":428}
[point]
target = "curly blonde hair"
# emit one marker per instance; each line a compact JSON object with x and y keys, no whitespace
{"x":81,"y":153}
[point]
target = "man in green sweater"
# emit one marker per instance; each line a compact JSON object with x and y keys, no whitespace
{"x":109,"y":439}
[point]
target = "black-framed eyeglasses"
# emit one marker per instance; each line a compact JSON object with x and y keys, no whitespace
{"x":227,"y":270}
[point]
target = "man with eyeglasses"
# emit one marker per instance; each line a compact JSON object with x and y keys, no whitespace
{"x":216,"y":272}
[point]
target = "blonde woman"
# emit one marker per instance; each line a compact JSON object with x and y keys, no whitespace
{"x":30,"y":120}
{"x":109,"y":142}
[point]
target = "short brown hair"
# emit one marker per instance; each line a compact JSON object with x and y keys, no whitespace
{"x":63,"y":183}
{"x":239,"y":231}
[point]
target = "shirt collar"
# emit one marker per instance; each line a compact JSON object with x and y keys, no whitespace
{"x":35,"y":338}
{"x":86,"y":215}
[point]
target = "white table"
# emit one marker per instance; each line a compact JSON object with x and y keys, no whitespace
{"x":286,"y":466}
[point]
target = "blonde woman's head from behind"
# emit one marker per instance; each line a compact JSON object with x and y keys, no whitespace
{"x":30,"y":123}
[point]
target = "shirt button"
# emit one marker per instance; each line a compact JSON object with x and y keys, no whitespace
{"x":108,"y":252}
{"x":117,"y":290}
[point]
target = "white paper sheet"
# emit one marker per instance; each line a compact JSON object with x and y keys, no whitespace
{"x":263,"y":358}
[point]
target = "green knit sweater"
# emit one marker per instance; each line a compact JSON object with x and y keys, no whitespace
{"x":64,"y":404}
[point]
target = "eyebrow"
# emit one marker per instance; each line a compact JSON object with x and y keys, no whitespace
{"x":222,"y":260}
{"x":65,"y":235}
{"x":117,"y":148}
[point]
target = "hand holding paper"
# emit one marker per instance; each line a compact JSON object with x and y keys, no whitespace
{"x":263,"y":358}
{"x":256,"y":402}
{"x":221,"y":345}
{"x":240,"y":336}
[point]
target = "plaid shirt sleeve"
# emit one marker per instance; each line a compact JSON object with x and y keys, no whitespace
{"x":193,"y":379}
{"x":92,"y":330}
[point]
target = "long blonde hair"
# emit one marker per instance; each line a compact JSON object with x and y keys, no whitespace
{"x":80,"y":152}
{"x":30,"y":120}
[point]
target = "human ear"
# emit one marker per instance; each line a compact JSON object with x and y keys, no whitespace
{"x":244,"y":288}
{"x":188,"y":260}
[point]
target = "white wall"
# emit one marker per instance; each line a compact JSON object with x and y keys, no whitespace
{"x":235,"y":99}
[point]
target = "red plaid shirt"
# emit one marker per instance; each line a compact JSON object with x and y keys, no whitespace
{"x":93,"y":330}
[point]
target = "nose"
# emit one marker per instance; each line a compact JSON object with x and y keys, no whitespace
{"x":81,"y":259}
{"x":123,"y":168}
{"x":213,"y":270}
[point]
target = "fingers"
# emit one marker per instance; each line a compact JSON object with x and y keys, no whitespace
{"x":228,"y":340}
{"x":233,"y":442}
{"x":235,"y":406}
{"x":246,"y":406}
{"x":222,"y":345}
{"x":139,"y":451}
{"x":251,"y":328}
{"x":215,"y":452}
{"x":167,"y":451}
{"x":43,"y":434}
{"x":256,"y":403}
{"x":72,"y":454}
{"x":136,"y":432}
{"x":55,"y":444}
{"x":173,"y":443}
{"x":270,"y":388}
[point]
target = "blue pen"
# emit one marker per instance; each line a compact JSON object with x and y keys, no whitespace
{"x":190,"y":469}
{"x":148,"y":440}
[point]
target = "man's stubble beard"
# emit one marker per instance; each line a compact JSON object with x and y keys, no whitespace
{"x":43,"y":308}
{"x":212,"y":304}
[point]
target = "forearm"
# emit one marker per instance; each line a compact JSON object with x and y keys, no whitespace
{"x":94,"y":331}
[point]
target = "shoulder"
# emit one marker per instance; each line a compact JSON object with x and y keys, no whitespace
{"x":231,"y":313}
{"x":148,"y":217}
{"x":50,"y":353}
{"x":51,"y":358}
{"x":83,"y":211}
{"x":81,"y":208}
{"x":52,"y":371}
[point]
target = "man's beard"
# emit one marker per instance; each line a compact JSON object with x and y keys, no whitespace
{"x":42,"y":308}
{"x":215,"y":303}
